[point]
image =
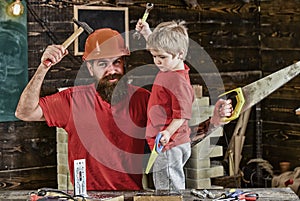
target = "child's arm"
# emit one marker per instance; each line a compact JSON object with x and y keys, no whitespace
{"x":170,"y":130}
{"x":143,"y":28}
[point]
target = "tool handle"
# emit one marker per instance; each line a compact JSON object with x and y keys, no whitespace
{"x":145,"y":16}
{"x":158,"y":146}
{"x":248,"y":196}
{"x":67,"y":43}
{"x":239,"y":100}
{"x":75,"y":35}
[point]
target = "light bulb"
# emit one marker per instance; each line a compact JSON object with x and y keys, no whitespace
{"x":15,"y":9}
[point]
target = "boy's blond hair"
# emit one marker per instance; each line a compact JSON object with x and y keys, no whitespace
{"x":171,"y":37}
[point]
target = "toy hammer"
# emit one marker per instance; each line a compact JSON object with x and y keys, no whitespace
{"x":82,"y":26}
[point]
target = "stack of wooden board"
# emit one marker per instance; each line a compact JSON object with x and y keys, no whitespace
{"x":198,"y":169}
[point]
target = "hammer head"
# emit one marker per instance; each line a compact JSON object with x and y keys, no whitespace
{"x":84,"y":25}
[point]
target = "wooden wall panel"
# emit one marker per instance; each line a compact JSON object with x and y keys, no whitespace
{"x":280,"y":48}
{"x":235,"y":59}
{"x":28,"y":155}
{"x":274,"y":60}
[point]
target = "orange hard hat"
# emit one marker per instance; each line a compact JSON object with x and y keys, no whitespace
{"x":104,"y":43}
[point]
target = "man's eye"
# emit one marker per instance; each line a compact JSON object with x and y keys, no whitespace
{"x":117,"y":62}
{"x":102,"y":64}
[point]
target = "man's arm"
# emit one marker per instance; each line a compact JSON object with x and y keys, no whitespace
{"x":28,"y":108}
{"x":223,"y":108}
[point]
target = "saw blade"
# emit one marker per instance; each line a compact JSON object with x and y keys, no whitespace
{"x":258,"y":90}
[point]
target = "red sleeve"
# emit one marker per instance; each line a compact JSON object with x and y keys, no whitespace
{"x":56,"y":108}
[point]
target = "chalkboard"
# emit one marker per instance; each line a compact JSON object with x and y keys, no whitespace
{"x":100,"y":17}
{"x":13,"y":60}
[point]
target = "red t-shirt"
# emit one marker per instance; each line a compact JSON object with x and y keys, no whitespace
{"x":110,"y":138}
{"x":171,"y":98}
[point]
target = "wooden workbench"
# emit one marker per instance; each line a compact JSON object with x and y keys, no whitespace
{"x":265,"y":194}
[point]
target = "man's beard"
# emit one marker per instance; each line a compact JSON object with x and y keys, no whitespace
{"x":112,"y":92}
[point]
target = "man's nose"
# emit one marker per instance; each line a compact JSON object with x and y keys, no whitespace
{"x":111,"y":68}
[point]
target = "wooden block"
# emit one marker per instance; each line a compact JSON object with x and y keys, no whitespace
{"x":200,"y":102}
{"x":197,"y":90}
{"x":198,"y":183}
{"x":216,"y":171}
{"x":218,"y":132}
{"x":200,"y":114}
{"x":198,"y":163}
{"x":158,"y":198}
{"x":210,"y":152}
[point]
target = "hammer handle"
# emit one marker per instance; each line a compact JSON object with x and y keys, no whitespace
{"x":67,"y":43}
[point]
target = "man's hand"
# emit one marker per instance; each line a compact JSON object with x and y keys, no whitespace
{"x":223,"y":108}
{"x":53,"y":54}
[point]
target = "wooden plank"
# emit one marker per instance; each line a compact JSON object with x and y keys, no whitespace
{"x":280,"y":36}
{"x":274,"y":60}
{"x":32,"y":147}
{"x":229,"y":35}
{"x":276,"y":8}
{"x":203,"y":173}
{"x":48,"y":13}
{"x":235,"y":59}
{"x":28,"y":178}
{"x":198,"y":163}
{"x":228,"y":10}
{"x":280,"y":110}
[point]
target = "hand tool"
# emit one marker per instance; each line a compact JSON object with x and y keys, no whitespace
{"x":248,"y":196}
{"x":232,"y":194}
{"x":149,"y":6}
{"x":251,"y":94}
{"x":203,"y":193}
{"x":155,"y":151}
{"x":82,"y":26}
{"x":198,"y":193}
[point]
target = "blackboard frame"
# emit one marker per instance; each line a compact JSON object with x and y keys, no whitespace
{"x":100,"y":17}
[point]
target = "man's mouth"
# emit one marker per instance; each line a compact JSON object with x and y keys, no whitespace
{"x":113,"y":80}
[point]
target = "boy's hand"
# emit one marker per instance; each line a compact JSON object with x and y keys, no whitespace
{"x":165,"y":137}
{"x":143,"y":28}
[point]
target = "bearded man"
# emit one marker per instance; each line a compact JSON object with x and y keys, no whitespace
{"x":105,"y":121}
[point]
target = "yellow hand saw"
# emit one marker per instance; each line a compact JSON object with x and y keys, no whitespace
{"x":155,"y":151}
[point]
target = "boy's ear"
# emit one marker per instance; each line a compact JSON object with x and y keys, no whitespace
{"x":180,"y":55}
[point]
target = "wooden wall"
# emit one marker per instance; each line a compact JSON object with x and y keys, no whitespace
{"x":244,"y":41}
{"x":280,"y":23}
